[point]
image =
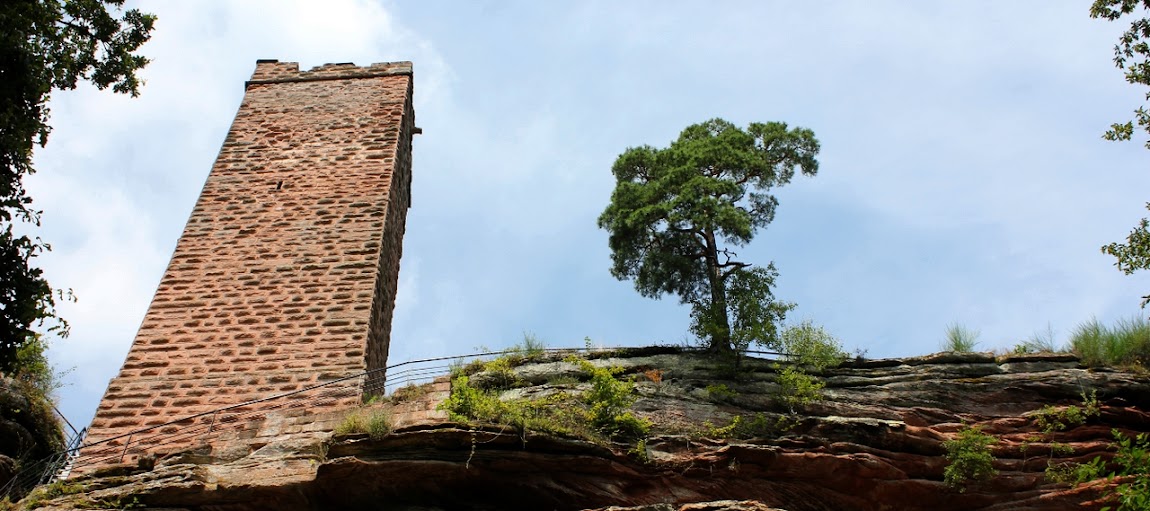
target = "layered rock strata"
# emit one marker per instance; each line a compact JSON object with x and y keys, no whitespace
{"x":874,"y":443}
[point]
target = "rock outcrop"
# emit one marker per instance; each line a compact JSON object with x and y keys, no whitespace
{"x":874,"y":443}
{"x":29,"y":431}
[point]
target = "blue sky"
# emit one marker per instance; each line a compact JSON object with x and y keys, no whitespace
{"x":963,"y":178}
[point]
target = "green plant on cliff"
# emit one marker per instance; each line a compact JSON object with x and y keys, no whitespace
{"x":375,"y":422}
{"x":809,"y":348}
{"x":609,"y":400}
{"x":1051,"y":419}
{"x":1130,"y":468}
{"x":46,"y":46}
{"x":601,"y":410}
{"x":1126,"y":344}
{"x":739,"y":427}
{"x":678,"y":214}
{"x":960,"y":339}
{"x":969,"y":458}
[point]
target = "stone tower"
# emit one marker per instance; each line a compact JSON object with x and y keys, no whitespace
{"x":286,"y":273}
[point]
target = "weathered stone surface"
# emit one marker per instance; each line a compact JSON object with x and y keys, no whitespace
{"x":875,"y":444}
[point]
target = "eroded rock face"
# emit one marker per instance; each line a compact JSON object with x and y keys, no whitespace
{"x":874,"y":443}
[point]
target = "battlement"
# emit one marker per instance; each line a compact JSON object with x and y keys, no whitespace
{"x":273,"y":71}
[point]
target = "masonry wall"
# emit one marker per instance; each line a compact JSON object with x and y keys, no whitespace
{"x":286,"y":273}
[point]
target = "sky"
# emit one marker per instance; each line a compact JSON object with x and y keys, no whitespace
{"x":963,"y":178}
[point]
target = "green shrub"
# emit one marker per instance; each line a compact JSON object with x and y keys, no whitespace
{"x":1051,"y":419}
{"x":757,"y":427}
{"x":807,"y":347}
{"x":467,"y":402}
{"x":1132,"y":462}
{"x":969,"y":457}
{"x":608,"y":401}
{"x":1126,"y":344}
{"x":797,"y":388}
{"x":601,"y":411}
{"x":721,"y":392}
{"x":960,"y":339}
{"x":811,"y":346}
{"x":500,"y":374}
{"x":375,"y":422}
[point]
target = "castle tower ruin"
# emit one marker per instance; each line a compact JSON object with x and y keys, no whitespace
{"x":286,"y":273}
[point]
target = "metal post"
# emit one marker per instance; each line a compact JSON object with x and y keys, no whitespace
{"x":126,"y":444}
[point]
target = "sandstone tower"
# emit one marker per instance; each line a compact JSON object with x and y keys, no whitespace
{"x":286,"y":273}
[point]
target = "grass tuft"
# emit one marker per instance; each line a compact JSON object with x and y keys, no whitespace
{"x":376,"y":423}
{"x":1126,"y":344}
{"x":960,"y":339}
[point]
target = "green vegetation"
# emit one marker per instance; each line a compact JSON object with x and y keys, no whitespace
{"x":600,"y":412}
{"x":499,"y":373}
{"x":811,"y":346}
{"x":798,"y":389}
{"x":969,"y":457}
{"x":1040,"y":342}
{"x":1131,"y":55}
{"x":409,"y":392}
{"x":757,"y":427}
{"x":677,"y":213}
{"x":375,"y":422}
{"x":721,"y":392}
{"x":1051,"y":419}
{"x":960,"y":339}
{"x":1127,"y":344}
{"x":48,"y":46}
{"x":609,"y":400}
{"x":808,"y":347}
{"x":41,"y":495}
{"x":1132,"y":464}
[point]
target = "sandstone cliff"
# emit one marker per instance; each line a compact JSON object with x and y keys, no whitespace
{"x":29,"y":431}
{"x":874,"y":443}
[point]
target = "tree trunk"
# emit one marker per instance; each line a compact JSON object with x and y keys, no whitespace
{"x":720,"y":323}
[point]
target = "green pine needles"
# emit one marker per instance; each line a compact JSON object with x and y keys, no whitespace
{"x":678,"y":214}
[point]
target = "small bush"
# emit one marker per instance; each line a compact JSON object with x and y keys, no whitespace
{"x":960,"y":339}
{"x":757,"y":427}
{"x":608,"y":400}
{"x":601,"y":410}
{"x":970,"y":458}
{"x":721,"y":392}
{"x":376,"y":423}
{"x":797,"y":388}
{"x":1051,"y":419}
{"x":807,"y":347}
{"x":1126,"y":344}
{"x":1132,"y":462}
{"x":467,"y":402}
{"x":499,"y":374}
{"x":811,"y":346}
